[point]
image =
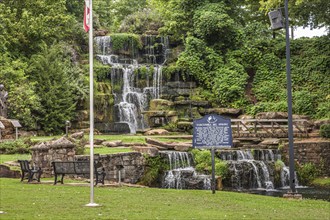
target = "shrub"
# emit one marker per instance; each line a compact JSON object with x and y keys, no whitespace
{"x":325,"y":130}
{"x":203,"y":163}
{"x":307,"y":173}
{"x":20,"y":146}
{"x":155,"y":166}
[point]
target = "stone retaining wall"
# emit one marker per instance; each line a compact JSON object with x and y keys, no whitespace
{"x":131,"y":165}
{"x":44,"y":153}
{"x":317,"y":153}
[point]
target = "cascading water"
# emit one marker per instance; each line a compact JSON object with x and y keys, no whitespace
{"x":253,"y":169}
{"x":182,"y":174}
{"x":130,"y":100}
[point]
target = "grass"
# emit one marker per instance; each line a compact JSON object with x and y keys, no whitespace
{"x":14,"y":157}
{"x":322,"y":182}
{"x":46,"y":201}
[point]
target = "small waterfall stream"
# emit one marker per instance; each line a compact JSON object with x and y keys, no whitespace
{"x":254,"y":169}
{"x":182,"y":174}
{"x":130,"y":99}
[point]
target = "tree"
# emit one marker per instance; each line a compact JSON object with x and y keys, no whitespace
{"x":23,"y":102}
{"x":57,"y":77}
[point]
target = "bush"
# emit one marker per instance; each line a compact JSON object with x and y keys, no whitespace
{"x":203,"y":163}
{"x":155,"y":166}
{"x":325,"y":130}
{"x":307,"y":173}
{"x":20,"y":146}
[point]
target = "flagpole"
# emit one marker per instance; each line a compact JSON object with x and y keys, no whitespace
{"x":91,"y":106}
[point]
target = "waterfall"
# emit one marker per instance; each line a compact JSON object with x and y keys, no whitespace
{"x":246,"y":172}
{"x":130,"y":98}
{"x":285,"y":177}
{"x":254,"y":169}
{"x":157,"y":80}
{"x":182,"y":175}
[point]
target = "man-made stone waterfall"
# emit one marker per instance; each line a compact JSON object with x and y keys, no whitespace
{"x":254,"y":169}
{"x":182,"y":174}
{"x":136,"y":78}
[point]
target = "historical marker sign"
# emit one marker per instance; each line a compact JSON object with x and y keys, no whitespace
{"x":15,"y":123}
{"x":212,"y":131}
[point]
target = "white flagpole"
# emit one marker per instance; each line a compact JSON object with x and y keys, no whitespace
{"x":91,"y":106}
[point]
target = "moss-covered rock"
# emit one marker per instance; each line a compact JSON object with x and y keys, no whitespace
{"x":160,"y":104}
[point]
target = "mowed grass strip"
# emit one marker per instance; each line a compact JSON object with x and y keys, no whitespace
{"x":46,"y":201}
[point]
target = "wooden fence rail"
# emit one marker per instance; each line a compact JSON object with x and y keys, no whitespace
{"x":269,"y":127}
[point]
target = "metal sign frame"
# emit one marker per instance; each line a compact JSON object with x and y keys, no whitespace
{"x":212,"y":131}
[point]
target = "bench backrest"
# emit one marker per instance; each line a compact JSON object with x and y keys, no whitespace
{"x":71,"y":167}
{"x":25,"y":165}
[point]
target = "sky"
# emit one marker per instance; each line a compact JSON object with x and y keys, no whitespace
{"x":306,"y":32}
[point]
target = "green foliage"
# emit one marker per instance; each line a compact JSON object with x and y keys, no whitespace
{"x":229,"y":83}
{"x":34,"y":25}
{"x":325,"y":130}
{"x":203,"y":163}
{"x":128,"y":41}
{"x":155,"y":166}
{"x":213,"y":24}
{"x":59,"y":89}
{"x":141,"y":22}
{"x":102,"y":72}
{"x":171,"y":126}
{"x":20,"y":146}
{"x":279,"y":164}
{"x":307,"y":173}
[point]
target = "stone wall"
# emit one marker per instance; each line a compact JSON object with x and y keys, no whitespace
{"x":131,"y":165}
{"x":46,"y":152}
{"x":317,"y":153}
{"x":9,"y":131}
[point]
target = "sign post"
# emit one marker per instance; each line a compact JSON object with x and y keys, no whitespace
{"x":210,"y":132}
{"x":213,"y":184}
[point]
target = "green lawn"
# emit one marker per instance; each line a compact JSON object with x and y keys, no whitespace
{"x":322,"y":181}
{"x":46,"y":201}
{"x":14,"y":157}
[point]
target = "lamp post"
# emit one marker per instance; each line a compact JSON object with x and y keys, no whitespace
{"x":289,"y":98}
{"x":276,"y":23}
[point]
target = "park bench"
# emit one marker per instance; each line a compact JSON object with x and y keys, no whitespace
{"x":28,"y":172}
{"x":78,"y":168}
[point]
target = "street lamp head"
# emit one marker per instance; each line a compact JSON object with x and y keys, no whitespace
{"x":276,"y":19}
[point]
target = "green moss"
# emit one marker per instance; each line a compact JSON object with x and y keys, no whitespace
{"x":123,"y":40}
{"x":155,"y":166}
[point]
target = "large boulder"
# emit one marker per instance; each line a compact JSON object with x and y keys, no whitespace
{"x":157,"y":132}
{"x":151,"y":151}
{"x":5,"y":171}
{"x":116,"y":143}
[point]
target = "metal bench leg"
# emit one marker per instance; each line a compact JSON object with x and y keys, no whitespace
{"x":62,"y":178}
{"x":39,"y":175}
{"x":31,"y":174}
{"x":55,"y":181}
{"x":23,"y":175}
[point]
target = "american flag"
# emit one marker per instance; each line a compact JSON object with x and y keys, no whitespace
{"x":86,"y":15}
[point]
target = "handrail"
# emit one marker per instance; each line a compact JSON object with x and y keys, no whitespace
{"x":269,"y":126}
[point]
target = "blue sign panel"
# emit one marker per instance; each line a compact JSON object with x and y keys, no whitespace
{"x":212,"y":131}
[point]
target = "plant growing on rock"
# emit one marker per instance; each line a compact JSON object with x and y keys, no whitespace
{"x":203,"y":163}
{"x":155,"y":166}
